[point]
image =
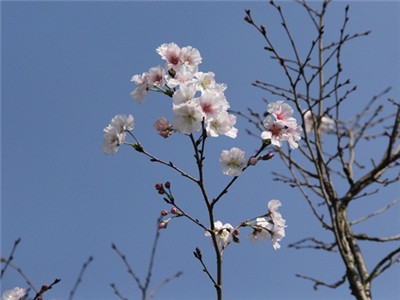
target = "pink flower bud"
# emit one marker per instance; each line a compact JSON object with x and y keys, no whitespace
{"x":174,"y":210}
{"x":164,"y":223}
{"x":267,"y":156}
{"x":159,"y":186}
{"x":161,"y":124}
{"x":45,"y":287}
{"x":168,"y":184}
{"x":164,"y":212}
{"x":253,"y":160}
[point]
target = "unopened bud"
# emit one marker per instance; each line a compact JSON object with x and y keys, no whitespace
{"x":253,"y":160}
{"x":164,"y":212}
{"x":158,"y":186}
{"x":174,"y":210}
{"x":267,"y":156}
{"x":235,"y":239}
{"x":45,"y":287}
{"x":197,"y":253}
{"x":168,"y":184}
{"x":163,"y":224}
{"x":263,"y":29}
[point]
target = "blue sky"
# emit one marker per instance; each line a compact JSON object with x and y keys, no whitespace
{"x":66,"y":70}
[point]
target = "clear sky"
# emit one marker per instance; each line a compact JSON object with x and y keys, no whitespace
{"x":66,"y":70}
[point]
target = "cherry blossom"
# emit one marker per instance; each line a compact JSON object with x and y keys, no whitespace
{"x":163,"y":127}
{"x":276,"y":216}
{"x":115,"y":133}
{"x":187,"y":119}
{"x":184,"y":94}
{"x":212,"y":104}
{"x":154,"y":78}
{"x":282,"y":112}
{"x":260,"y":231}
{"x":206,"y":82}
{"x":283,"y":128}
{"x":222,"y":124}
{"x":171,"y":53}
{"x":223,"y":233}
{"x":233,"y":161}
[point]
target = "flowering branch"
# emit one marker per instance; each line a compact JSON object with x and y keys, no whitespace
{"x":199,"y":106}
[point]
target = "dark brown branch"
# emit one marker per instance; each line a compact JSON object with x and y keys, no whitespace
{"x":322,"y":283}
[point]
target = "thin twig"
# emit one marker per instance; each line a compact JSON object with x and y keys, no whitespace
{"x":80,"y":276}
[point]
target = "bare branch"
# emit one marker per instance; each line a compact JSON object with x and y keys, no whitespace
{"x":376,"y":212}
{"x":315,"y":244}
{"x":384,"y":264}
{"x":80,"y":276}
{"x":322,"y":283}
{"x":10,"y":257}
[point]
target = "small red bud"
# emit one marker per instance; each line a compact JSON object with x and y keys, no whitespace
{"x":168,"y":184}
{"x":253,"y":160}
{"x":161,"y":191}
{"x":174,"y":210}
{"x":164,"y":212}
{"x":45,"y":287}
{"x":159,"y":186}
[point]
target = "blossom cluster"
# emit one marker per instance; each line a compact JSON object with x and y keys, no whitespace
{"x":281,"y":126}
{"x":196,"y":96}
{"x":263,"y":228}
{"x":273,"y":227}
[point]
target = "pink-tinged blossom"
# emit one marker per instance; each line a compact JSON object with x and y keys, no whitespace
{"x":187,"y":119}
{"x":212,"y":104}
{"x":275,"y":132}
{"x":206,"y":82}
{"x":16,"y":293}
{"x":154,"y":78}
{"x":233,"y":161}
{"x":282,"y":112}
{"x":281,"y":126}
{"x":163,"y":127}
{"x":326,"y":123}
{"x":222,"y":124}
{"x":184,"y":76}
{"x":222,"y":232}
{"x":171,"y":53}
{"x":191,"y":58}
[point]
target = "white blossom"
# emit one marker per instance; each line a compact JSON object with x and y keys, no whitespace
{"x":233,"y":161}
